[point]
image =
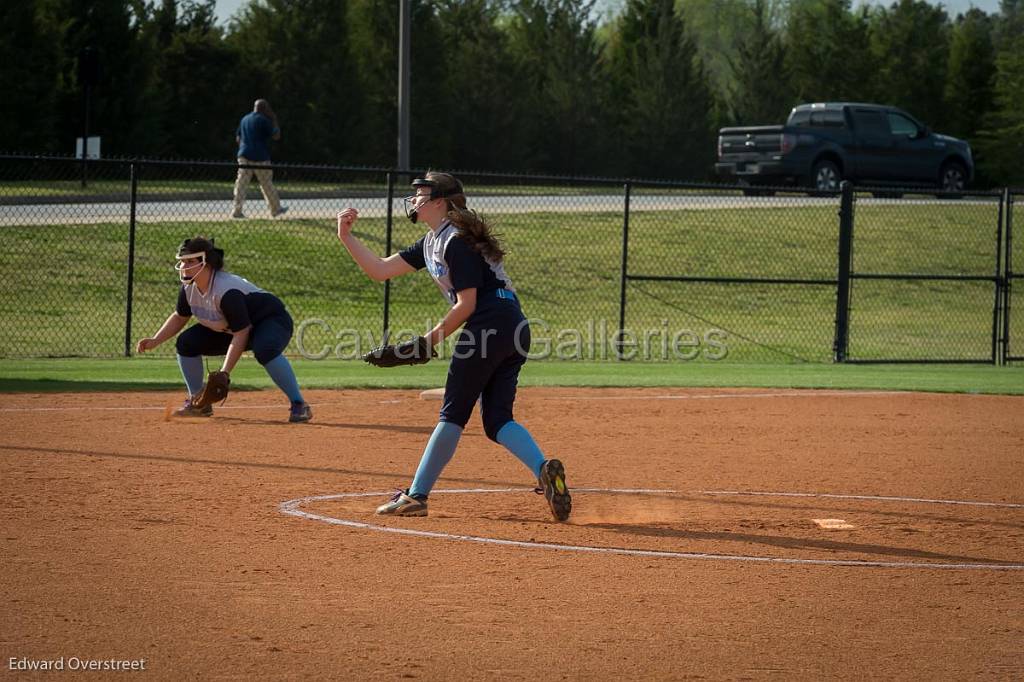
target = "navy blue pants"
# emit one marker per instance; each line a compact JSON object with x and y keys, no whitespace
{"x":488,"y":355}
{"x":267,"y":339}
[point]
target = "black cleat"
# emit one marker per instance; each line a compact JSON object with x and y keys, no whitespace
{"x":552,"y":481}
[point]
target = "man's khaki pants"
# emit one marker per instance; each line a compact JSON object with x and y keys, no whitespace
{"x":264,"y":177}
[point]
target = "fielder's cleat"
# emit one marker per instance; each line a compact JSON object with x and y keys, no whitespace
{"x":187,"y":410}
{"x":552,"y":481}
{"x":280,"y":211}
{"x":238,"y":215}
{"x":300,"y":412}
{"x":403,"y":505}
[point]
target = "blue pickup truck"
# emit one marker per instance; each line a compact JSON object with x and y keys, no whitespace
{"x":823,"y":144}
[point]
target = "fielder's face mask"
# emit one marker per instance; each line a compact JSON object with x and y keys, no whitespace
{"x":413,"y":203}
{"x":188,"y":270}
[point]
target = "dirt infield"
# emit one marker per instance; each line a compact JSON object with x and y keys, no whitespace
{"x":244,"y":547}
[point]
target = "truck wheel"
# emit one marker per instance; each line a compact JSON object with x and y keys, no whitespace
{"x":952,"y":177}
{"x":825,"y":176}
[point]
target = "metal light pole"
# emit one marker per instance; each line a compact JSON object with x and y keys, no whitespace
{"x":404,"y":67}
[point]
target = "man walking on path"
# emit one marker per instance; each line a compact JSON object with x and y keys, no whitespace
{"x":254,"y":133}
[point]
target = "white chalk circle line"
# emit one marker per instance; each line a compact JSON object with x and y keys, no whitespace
{"x":292,"y":508}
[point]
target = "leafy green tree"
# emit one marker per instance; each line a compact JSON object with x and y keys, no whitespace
{"x":1001,"y":141}
{"x":435,"y":92}
{"x":295,"y":54}
{"x":198,"y":78}
{"x":660,"y":95}
{"x":827,"y":56}
{"x":717,"y":27}
{"x":555,"y":51}
{"x":28,"y":79}
{"x":968,"y":94}
{"x":123,"y":108}
{"x":372,"y":45}
{"x":762,"y":92}
{"x":1010,"y":23}
{"x":474,"y":92}
{"x":910,"y":46}
{"x":372,"y":39}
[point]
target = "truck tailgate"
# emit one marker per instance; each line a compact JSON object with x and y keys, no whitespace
{"x":750,"y":142}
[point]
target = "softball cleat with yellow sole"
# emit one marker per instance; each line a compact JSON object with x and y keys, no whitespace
{"x":556,"y":492}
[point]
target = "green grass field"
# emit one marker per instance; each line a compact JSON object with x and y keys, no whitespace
{"x":566,"y":267}
{"x":85,"y":374}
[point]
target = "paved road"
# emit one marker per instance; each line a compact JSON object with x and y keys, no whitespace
{"x":325,"y":209}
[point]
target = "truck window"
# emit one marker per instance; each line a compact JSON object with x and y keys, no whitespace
{"x":834,"y":118}
{"x":871,"y":124}
{"x":829,"y":118}
{"x":902,"y":126}
{"x":822,"y":118}
{"x":800,"y":119}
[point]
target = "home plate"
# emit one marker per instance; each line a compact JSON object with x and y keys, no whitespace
{"x":834,"y":524}
{"x":432,"y":394}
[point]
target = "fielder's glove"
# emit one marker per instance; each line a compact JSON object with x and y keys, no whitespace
{"x":414,"y":352}
{"x":215,"y":390}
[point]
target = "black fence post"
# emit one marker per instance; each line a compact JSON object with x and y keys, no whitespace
{"x":1000,"y":284}
{"x":131,"y":260}
{"x":623,"y":274}
{"x":1007,"y":274}
{"x":387,"y":252}
{"x":840,"y":345}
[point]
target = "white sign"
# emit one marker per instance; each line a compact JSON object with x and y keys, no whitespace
{"x":93,"y":147}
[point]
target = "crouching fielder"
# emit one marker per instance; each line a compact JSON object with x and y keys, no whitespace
{"x":465,"y":261}
{"x":234,"y":315}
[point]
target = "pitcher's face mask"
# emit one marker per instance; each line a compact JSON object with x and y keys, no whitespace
{"x":427,"y":190}
{"x":414,"y":203}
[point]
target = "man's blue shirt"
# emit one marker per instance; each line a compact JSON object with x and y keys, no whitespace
{"x":255,"y":131}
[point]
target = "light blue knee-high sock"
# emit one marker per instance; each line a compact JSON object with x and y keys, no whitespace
{"x":436,"y":456}
{"x":192,"y":370}
{"x":280,"y":370}
{"x":520,"y":443}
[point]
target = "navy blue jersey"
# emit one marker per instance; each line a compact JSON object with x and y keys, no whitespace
{"x":454,"y":265}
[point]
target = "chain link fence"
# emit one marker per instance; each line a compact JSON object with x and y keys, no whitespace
{"x":1013,"y":299}
{"x":925,"y":278}
{"x":605,"y":269}
{"x":718,"y":272}
{"x":66,"y":263}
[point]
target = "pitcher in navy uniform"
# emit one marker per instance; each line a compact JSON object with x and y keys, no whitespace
{"x":465,"y":261}
{"x":234,"y":315}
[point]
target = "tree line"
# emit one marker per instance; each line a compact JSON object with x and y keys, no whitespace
{"x":531,"y":86}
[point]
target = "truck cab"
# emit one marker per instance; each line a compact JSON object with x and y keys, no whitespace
{"x":822,"y":144}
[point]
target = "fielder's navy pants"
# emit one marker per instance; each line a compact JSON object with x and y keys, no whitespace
{"x":267,"y":339}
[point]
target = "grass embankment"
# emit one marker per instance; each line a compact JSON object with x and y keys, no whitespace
{"x":64,"y":293}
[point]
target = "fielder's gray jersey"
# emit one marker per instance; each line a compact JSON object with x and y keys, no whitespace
{"x":454,"y":265}
{"x":207,"y":308}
